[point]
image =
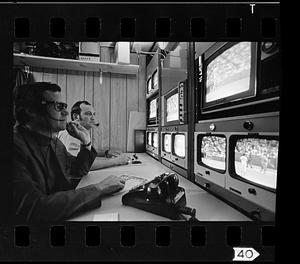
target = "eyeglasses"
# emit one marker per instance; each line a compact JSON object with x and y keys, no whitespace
{"x":89,"y":113}
{"x":58,"y":106}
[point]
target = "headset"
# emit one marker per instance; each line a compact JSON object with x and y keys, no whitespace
{"x":36,"y":105}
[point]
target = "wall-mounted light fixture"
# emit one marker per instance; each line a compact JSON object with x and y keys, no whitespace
{"x":100,"y":76}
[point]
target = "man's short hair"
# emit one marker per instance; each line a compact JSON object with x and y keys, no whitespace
{"x":76,"y":108}
{"x":28,"y":97}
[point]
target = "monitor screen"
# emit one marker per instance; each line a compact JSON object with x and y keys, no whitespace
{"x":155,"y":139}
{"x":155,"y":79}
{"x":167,"y":143}
{"x":179,"y":145}
{"x":229,"y":73}
{"x":172,"y":110}
{"x":149,"y":85}
{"x":213,"y":152}
{"x":152,"y":108}
{"x":149,"y":138}
{"x":256,"y":160}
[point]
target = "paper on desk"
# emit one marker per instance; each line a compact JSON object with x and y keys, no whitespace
{"x":106,"y":217}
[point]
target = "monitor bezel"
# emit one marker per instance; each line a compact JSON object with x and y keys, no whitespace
{"x":199,"y":145}
{"x":236,"y":98}
{"x":149,"y":133}
{"x":173,"y":143}
{"x":151,"y":88}
{"x":163,"y":142}
{"x":231,"y":167}
{"x":154,"y":87}
{"x":166,"y":97}
{"x":152,"y":141}
{"x":152,"y":120}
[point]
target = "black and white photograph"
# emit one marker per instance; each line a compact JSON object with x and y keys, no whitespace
{"x":141,"y":132}
{"x":102,"y":131}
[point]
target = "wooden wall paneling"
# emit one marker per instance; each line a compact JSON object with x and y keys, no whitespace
{"x":37,"y":73}
{"x":101,"y":135}
{"x":75,"y":87}
{"x":101,"y":102}
{"x":62,"y":82}
{"x":89,"y":92}
{"x":142,"y":83}
{"x":118,"y":120}
{"x":132,"y":96}
{"x":50,"y":75}
{"x":89,"y":87}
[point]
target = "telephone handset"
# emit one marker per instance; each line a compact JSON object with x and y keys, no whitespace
{"x":162,"y":196}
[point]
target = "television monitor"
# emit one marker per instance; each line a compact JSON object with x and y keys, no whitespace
{"x":255,"y":160}
{"x":155,"y":80}
{"x":167,"y":142}
{"x":149,"y":85}
{"x":230,"y":74}
{"x":174,"y":148}
{"x":172,"y":108}
{"x":155,"y":139}
{"x":175,"y":105}
{"x":212,"y":151}
{"x":152,"y":110}
{"x":152,"y":142}
{"x":179,"y":147}
{"x":240,"y":155}
{"x":149,"y":138}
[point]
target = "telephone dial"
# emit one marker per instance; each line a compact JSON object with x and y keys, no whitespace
{"x":161,"y":196}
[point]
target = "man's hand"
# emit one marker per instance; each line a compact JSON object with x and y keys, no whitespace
{"x":113,"y":153}
{"x":121,"y":160}
{"x":78,"y":131}
{"x":110,"y":185}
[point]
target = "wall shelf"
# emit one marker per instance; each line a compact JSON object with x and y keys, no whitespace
{"x":69,"y":64}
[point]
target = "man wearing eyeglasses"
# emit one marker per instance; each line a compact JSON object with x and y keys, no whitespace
{"x":83,"y":113}
{"x":42,"y":167}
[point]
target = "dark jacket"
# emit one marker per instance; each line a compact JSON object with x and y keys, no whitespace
{"x":42,"y":191}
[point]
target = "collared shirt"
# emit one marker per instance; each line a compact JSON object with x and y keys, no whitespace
{"x":73,"y":144}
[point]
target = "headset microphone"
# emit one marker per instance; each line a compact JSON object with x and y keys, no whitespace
{"x":97,"y":124}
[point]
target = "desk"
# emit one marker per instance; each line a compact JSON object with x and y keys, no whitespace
{"x":208,"y":207}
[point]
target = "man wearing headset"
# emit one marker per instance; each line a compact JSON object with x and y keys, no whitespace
{"x":42,"y":167}
{"x":83,"y":113}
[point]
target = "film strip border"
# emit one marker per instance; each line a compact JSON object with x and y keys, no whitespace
{"x":209,"y":241}
{"x":204,"y":241}
{"x":163,"y":26}
{"x":189,"y":21}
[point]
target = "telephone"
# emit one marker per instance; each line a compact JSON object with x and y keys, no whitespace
{"x":161,"y":196}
